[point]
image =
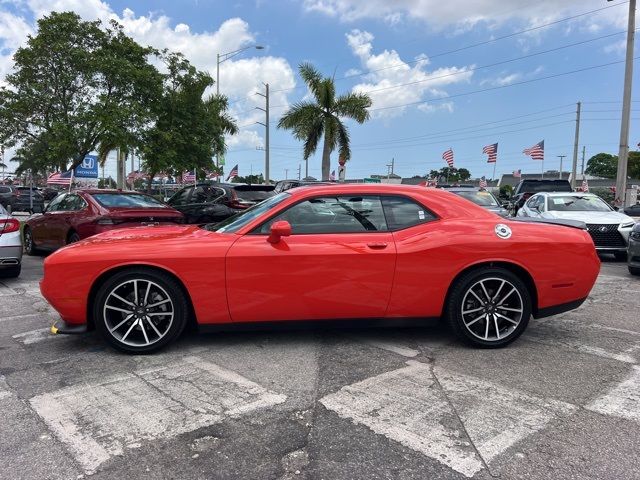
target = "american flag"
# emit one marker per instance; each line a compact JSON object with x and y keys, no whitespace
{"x":517,"y":173}
{"x":136,"y":175}
{"x":492,"y":151}
{"x":233,"y":173}
{"x":483,"y":182}
{"x":332,"y":177}
{"x":536,"y":152}
{"x":189,"y":177}
{"x":213,"y":175}
{"x":57,"y":178}
{"x":448,"y":157}
{"x":585,"y":185}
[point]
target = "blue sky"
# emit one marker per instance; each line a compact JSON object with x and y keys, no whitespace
{"x":381,"y":46}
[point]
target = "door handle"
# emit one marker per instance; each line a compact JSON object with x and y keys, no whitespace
{"x":377,"y":245}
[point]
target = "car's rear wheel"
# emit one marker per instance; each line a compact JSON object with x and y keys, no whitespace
{"x":489,"y":307}
{"x":29,"y":245}
{"x":11,"y":272}
{"x":140,"y":310}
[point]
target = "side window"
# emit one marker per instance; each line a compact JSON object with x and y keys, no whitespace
{"x":180,"y":198}
{"x":54,"y":206}
{"x":4,"y":190}
{"x":333,"y":215}
{"x":403,"y":212}
{"x":205,"y":193}
{"x":68,"y":203}
{"x":531,"y":203}
{"x":541,"y":203}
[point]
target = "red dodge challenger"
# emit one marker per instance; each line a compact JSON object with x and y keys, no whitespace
{"x":335,"y":252}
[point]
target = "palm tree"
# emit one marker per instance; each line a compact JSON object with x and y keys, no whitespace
{"x":310,"y":120}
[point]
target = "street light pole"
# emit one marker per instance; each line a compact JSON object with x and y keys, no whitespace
{"x":623,"y":153}
{"x":561,"y":157}
{"x":266,"y":126}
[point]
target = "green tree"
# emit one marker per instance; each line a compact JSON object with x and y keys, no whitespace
{"x":602,"y":165}
{"x":606,"y":165}
{"x":454,"y":174}
{"x":188,"y":129}
{"x":310,"y":120}
{"x":74,"y":83}
{"x":250,"y":179}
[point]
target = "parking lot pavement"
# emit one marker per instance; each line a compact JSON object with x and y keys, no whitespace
{"x":561,"y":402}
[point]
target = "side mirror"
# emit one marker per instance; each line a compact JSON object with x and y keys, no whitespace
{"x":279,"y":229}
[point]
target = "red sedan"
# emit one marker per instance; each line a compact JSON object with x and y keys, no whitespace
{"x":325,"y":253}
{"x":71,"y":217}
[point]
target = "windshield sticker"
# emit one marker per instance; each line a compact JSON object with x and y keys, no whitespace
{"x":420,"y":214}
{"x":558,"y":201}
{"x":502,"y":231}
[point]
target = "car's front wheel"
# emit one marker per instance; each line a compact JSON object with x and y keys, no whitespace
{"x":140,"y":310}
{"x":634,"y":270}
{"x":488,"y":307}
{"x":29,"y":245}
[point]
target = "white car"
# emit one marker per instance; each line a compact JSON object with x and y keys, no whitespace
{"x":10,"y":245}
{"x":609,"y":229}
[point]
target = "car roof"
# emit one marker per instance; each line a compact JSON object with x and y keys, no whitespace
{"x":92,"y":191}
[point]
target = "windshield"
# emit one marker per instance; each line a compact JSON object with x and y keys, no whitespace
{"x":254,"y":195}
{"x":482,"y":198}
{"x":239,"y":220}
{"x":575,"y":203}
{"x":535,"y":187}
{"x":130,"y":200}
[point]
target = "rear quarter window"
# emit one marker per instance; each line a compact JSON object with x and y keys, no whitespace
{"x":403,"y":212}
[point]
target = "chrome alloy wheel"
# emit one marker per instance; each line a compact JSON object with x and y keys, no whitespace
{"x":138,"y":312}
{"x":492,"y":309}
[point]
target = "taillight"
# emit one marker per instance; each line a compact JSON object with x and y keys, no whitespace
{"x":16,"y":193}
{"x":9,"y":225}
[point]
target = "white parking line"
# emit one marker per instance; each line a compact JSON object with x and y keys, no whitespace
{"x":623,"y":400}
{"x":33,"y":336}
{"x":409,"y":405}
{"x":4,"y":388}
{"x":100,"y":420}
{"x":393,"y":347}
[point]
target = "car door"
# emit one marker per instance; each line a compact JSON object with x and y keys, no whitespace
{"x":529,"y":208}
{"x":60,"y":221}
{"x":41,"y":225}
{"x":338,"y":263}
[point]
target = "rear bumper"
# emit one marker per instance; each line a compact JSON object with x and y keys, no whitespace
{"x":63,"y":328}
{"x":10,"y":255}
{"x":557,"y":309}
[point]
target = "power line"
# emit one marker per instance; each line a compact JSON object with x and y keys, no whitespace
{"x":499,"y":87}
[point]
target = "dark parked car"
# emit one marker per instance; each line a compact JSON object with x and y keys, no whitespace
{"x":214,"y":202}
{"x":633,"y":210}
{"x":80,"y":214}
{"x":481,"y":197}
{"x":49,"y":193}
{"x":633,"y":253}
{"x":284,"y":185}
{"x":18,"y":199}
{"x":526,"y":188}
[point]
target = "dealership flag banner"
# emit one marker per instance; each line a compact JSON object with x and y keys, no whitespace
{"x":448,"y":157}
{"x":492,"y":152}
{"x":517,"y":173}
{"x":483,"y":182}
{"x":189,"y":177}
{"x":233,"y":173}
{"x":57,"y":178}
{"x":585,"y":185}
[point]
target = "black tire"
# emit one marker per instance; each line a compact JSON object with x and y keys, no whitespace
{"x":634,"y":270}
{"x":29,"y":245}
{"x":504,"y":331}
{"x":73,"y":238}
{"x":620,"y":256}
{"x":104,"y":322}
{"x":11,"y":272}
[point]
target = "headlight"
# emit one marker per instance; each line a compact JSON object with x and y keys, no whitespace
{"x":635,"y":235}
{"x":627,"y":225}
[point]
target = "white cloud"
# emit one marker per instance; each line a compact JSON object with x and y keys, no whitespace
{"x":392,"y":81}
{"x":240,"y":77}
{"x":504,"y":78}
{"x":464,"y":14}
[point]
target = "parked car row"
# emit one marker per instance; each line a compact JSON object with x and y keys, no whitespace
{"x":21,"y":199}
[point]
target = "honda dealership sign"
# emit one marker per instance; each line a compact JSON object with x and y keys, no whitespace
{"x":88,"y":168}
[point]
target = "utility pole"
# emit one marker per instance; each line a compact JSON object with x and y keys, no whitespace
{"x":560,"y":157}
{"x":266,"y":126}
{"x":574,"y":165}
{"x":390,"y":168}
{"x":306,"y":168}
{"x":623,"y":153}
{"x":584,"y":148}
{"x":286,"y":173}
{"x":299,"y":171}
